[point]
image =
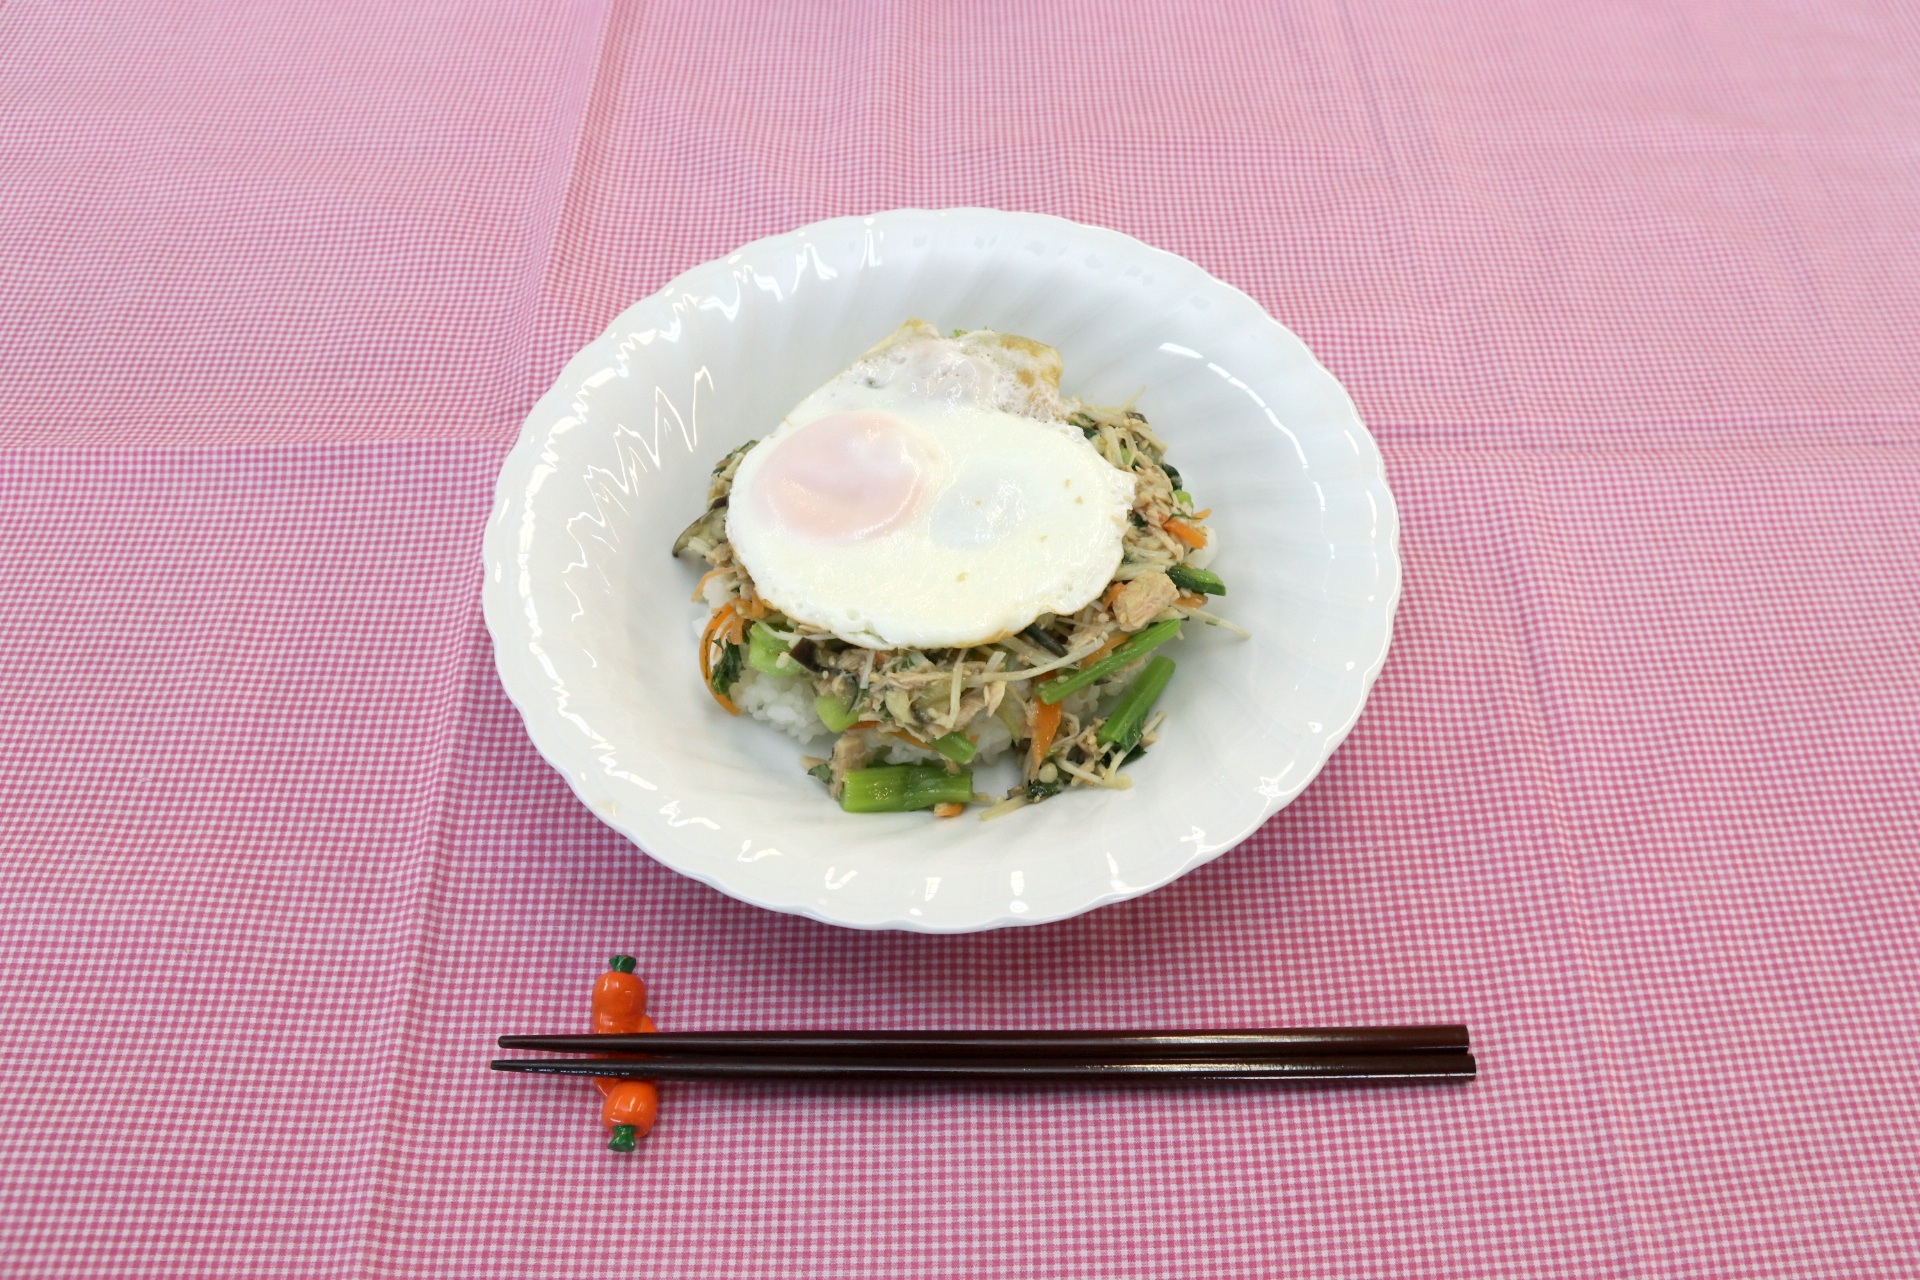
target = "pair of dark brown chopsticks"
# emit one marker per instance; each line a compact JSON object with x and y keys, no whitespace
{"x":1301,"y":1053}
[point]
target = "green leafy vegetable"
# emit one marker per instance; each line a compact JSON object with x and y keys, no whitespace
{"x":726,"y":672}
{"x":1038,"y":791}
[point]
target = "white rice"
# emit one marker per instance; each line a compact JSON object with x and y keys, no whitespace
{"x":1201,"y":557}
{"x":994,"y":738}
{"x":893,"y":751}
{"x":784,"y":703}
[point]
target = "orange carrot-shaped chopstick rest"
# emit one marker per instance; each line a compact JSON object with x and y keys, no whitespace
{"x":620,"y":1008}
{"x":629,"y":1112}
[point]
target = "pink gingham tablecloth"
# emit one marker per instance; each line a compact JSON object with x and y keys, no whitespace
{"x":1630,"y":294}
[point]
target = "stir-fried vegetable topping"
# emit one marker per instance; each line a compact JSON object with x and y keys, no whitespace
{"x":1045,"y":684}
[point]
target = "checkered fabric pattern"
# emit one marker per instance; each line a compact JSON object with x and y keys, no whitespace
{"x":1629,"y":292}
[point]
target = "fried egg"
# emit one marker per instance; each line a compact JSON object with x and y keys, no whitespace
{"x":931,"y":495}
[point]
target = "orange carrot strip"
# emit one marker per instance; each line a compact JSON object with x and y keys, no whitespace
{"x":720,"y":619}
{"x":1202,"y":515}
{"x":723,"y":618}
{"x":948,"y":810}
{"x":1114,"y":641}
{"x":706,"y":647}
{"x":1186,"y":533}
{"x":1113,"y":593}
{"x":1046,"y":723}
{"x":1191,"y":602}
{"x":700,"y":592}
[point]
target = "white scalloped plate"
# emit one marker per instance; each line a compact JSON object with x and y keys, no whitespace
{"x":594,"y":635}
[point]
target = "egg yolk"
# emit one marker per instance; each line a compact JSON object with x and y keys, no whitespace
{"x":849,"y":477}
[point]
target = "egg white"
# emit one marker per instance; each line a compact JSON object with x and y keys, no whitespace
{"x":1015,"y":513}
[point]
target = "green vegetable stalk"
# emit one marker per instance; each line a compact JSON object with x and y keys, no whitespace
{"x":1129,"y":715}
{"x":1142,"y":643}
{"x":764,"y":651}
{"x":1188,"y":578}
{"x":833,"y":713}
{"x":956,"y":747}
{"x":900,"y":788}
